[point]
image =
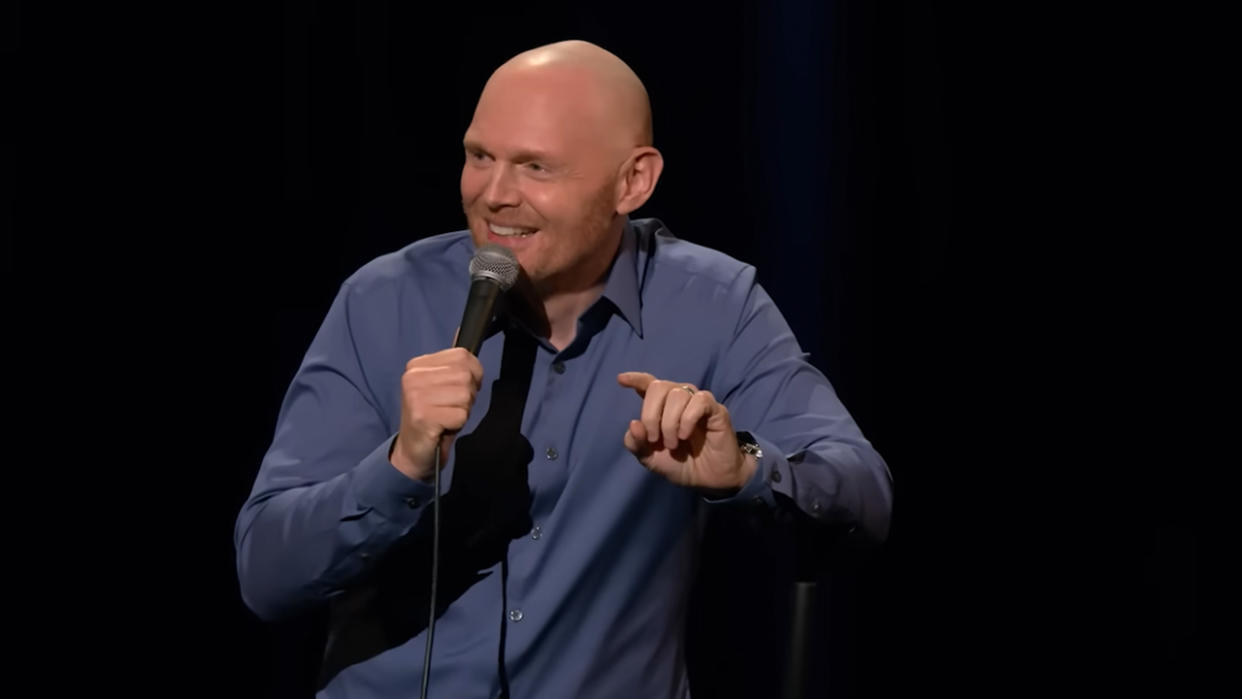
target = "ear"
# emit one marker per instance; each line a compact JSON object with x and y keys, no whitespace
{"x":638,"y":178}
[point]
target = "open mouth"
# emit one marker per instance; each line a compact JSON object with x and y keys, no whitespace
{"x":510,"y":231}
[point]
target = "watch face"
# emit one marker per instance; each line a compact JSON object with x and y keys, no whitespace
{"x":748,"y":444}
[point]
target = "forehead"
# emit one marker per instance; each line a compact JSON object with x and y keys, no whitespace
{"x":553,"y":111}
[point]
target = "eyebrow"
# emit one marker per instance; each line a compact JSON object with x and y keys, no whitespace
{"x":521,"y":156}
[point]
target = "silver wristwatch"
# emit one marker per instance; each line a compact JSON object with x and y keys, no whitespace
{"x":746,"y":442}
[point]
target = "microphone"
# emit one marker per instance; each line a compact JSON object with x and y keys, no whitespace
{"x":493,"y":270}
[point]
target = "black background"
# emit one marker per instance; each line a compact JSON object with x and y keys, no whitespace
{"x":965,"y":213}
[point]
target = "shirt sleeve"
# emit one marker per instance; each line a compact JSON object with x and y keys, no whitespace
{"x":814,"y":454}
{"x":326,"y":501}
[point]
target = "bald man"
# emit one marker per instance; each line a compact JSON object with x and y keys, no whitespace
{"x":631,"y":381}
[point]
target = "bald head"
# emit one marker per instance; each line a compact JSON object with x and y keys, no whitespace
{"x":558,"y":154}
{"x":603,"y":87}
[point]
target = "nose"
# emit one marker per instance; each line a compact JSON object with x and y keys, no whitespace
{"x":501,"y":189}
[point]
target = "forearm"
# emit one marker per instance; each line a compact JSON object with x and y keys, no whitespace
{"x":299,"y":545}
{"x":835,"y":482}
{"x":814,"y":453}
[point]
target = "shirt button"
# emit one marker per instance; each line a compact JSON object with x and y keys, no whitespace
{"x":776,"y":476}
{"x":758,"y":500}
{"x":551,"y":454}
{"x":412,"y":502}
{"x":536,"y":532}
{"x":815,"y":506}
{"x":559,"y":367}
{"x":515,"y":615}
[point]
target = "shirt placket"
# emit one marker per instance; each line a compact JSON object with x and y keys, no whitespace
{"x":547,"y":479}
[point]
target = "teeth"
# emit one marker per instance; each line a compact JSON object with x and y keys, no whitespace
{"x":509,"y":231}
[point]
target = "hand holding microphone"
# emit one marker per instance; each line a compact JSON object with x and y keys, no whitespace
{"x":438,"y":389}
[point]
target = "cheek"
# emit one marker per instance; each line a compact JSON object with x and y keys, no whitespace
{"x":542,"y":200}
{"x":471,"y":184}
{"x":559,"y":205}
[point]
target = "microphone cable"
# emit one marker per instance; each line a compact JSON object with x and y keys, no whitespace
{"x":435,"y":572}
{"x":493,"y":270}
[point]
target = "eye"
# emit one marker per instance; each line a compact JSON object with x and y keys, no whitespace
{"x":536,"y":167}
{"x":476,"y":155}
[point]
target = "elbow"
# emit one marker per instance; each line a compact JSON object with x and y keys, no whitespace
{"x":267,"y":608}
{"x":256,"y":592}
{"x":874,"y":518}
{"x":260,"y":605}
{"x":258,"y":579}
{"x":260,"y":593}
{"x":881,"y":507}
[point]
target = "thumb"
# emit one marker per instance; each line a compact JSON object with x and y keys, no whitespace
{"x":637,"y":380}
{"x":635,"y":441}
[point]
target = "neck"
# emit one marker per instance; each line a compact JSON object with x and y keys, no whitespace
{"x":564,"y":309}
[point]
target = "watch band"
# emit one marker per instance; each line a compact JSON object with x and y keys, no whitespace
{"x":747,"y":443}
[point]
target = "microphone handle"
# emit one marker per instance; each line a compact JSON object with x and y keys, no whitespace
{"x":479,"y":306}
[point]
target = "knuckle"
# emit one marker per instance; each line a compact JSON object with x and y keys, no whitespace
{"x":457,"y":417}
{"x":416,"y":414}
{"x":422,"y":360}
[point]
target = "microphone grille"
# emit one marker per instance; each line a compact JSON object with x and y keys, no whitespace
{"x":494,"y":262}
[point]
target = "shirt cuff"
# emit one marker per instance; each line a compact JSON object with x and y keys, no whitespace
{"x":378,"y":485}
{"x":770,"y":470}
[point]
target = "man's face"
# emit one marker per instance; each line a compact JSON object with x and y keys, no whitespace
{"x":540,"y":179}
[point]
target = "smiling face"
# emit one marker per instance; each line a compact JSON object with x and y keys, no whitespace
{"x":545,"y":173}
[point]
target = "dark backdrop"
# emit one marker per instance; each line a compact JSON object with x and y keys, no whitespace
{"x":921,"y":187}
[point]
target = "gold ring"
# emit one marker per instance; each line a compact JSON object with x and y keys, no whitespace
{"x":687,"y":387}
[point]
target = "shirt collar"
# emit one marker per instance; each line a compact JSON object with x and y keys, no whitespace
{"x":621,"y":288}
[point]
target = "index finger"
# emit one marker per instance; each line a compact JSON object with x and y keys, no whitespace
{"x":637,"y":380}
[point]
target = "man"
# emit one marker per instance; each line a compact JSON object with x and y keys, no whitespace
{"x":634,"y":380}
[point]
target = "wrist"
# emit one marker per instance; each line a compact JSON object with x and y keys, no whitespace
{"x":402,"y":461}
{"x":749,"y":454}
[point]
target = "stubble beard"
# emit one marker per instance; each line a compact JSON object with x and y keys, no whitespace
{"x":588,"y":270}
{"x":592,"y":265}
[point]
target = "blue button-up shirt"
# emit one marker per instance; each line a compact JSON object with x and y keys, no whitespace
{"x":592,"y":600}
